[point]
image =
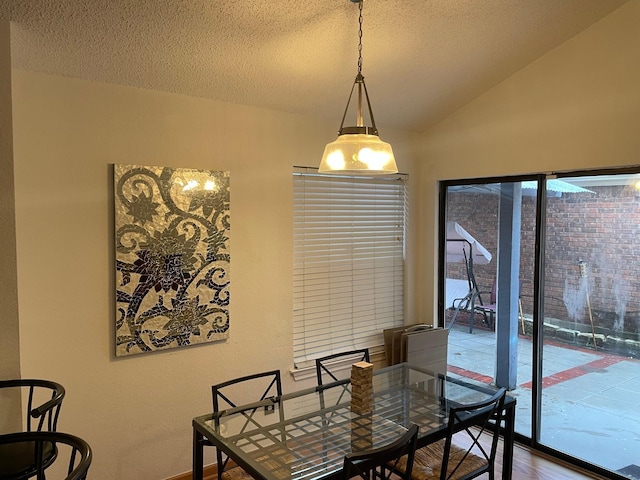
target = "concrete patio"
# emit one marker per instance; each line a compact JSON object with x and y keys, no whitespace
{"x":590,"y":399}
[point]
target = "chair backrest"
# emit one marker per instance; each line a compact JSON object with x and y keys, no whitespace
{"x":234,"y":392}
{"x":325,"y":372}
{"x":42,"y":401}
{"x":263,"y":385}
{"x":70,"y":449}
{"x":383,"y":461}
{"x":467,"y":423}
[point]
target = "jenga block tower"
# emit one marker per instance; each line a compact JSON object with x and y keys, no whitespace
{"x":362,"y":388}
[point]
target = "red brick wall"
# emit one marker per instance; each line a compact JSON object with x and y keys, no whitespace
{"x":602,"y":228}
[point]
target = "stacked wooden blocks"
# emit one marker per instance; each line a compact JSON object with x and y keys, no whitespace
{"x":362,"y":388}
{"x":362,"y":406}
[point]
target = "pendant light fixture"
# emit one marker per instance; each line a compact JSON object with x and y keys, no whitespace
{"x":358,"y":149}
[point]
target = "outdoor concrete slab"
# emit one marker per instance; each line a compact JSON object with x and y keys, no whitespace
{"x":590,"y":401}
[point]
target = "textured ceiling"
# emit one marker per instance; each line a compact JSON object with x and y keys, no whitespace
{"x":422,"y":59}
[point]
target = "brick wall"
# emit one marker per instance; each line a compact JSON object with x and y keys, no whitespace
{"x":601,"y":228}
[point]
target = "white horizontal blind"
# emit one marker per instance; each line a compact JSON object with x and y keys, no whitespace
{"x":348,"y":277}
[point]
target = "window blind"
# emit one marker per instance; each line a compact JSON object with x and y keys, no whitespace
{"x":349,"y":245}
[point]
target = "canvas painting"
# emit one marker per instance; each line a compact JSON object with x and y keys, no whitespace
{"x":172,"y":233}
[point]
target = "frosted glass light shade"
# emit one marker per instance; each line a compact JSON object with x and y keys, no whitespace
{"x":362,"y":154}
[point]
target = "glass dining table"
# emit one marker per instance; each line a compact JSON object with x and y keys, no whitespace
{"x":304,"y":435}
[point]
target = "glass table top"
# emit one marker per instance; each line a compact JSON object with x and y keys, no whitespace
{"x":306,"y":434}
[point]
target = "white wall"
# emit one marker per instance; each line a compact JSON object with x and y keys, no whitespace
{"x":136,"y":411}
{"x":577,"y":107}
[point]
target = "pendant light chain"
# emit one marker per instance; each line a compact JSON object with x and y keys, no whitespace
{"x":360,"y":3}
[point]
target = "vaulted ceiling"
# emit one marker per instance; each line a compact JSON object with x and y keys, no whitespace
{"x":422,"y":59}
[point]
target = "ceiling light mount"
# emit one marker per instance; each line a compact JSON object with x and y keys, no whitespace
{"x":358,"y":149}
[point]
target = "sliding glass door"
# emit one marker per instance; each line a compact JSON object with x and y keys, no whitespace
{"x":590,"y":388}
{"x":540,"y":291}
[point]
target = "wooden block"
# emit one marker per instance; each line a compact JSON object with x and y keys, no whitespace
{"x":362,"y":409}
{"x":364,"y":366}
{"x":361,"y":371}
{"x":362,"y":388}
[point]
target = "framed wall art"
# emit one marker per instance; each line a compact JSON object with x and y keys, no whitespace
{"x":172,"y":234}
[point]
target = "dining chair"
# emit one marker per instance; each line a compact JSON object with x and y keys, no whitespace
{"x":37,"y":445}
{"x":382,"y":462}
{"x":461,"y":455}
{"x":42,"y":402}
{"x":331,"y":368}
{"x":232,"y":393}
{"x":326,"y":371}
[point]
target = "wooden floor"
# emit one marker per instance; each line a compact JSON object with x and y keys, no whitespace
{"x":527,"y":465}
{"x":537,"y":466}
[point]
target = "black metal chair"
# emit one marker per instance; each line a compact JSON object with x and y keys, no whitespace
{"x":38,"y":446}
{"x":383,"y":462}
{"x":42,"y":401}
{"x":461,"y":456}
{"x":226,"y":396}
{"x":325,"y":366}
{"x":332,"y":369}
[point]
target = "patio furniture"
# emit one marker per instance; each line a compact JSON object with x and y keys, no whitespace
{"x":38,"y":446}
{"x":488,"y":310}
{"x":42,"y":401}
{"x":461,"y":246}
{"x":383,"y":461}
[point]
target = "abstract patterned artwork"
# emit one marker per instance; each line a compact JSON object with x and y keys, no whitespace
{"x":172,"y":257}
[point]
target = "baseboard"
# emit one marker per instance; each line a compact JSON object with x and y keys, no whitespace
{"x":209,"y":473}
